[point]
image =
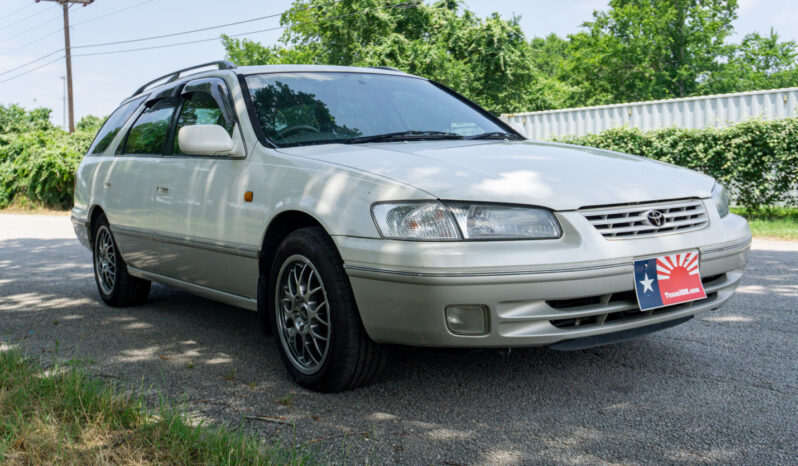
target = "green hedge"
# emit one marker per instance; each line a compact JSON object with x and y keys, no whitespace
{"x":757,"y":160}
{"x":37,"y":160}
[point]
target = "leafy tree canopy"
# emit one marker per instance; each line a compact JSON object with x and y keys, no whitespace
{"x":633,"y":50}
{"x":648,"y":49}
{"x":487,"y":59}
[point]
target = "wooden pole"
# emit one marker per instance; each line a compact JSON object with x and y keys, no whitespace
{"x":68,"y":53}
{"x":65,"y":4}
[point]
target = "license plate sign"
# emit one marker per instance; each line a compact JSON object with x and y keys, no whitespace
{"x":668,"y":280}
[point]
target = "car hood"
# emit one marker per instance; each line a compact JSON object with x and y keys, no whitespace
{"x":557,"y":176}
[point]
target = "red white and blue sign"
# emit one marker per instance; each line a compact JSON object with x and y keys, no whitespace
{"x":668,"y":280}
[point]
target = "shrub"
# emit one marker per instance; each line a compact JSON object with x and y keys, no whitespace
{"x":37,"y":160}
{"x":757,"y":160}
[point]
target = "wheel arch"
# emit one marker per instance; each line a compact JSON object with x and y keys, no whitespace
{"x":94,"y":213}
{"x":282,"y":225}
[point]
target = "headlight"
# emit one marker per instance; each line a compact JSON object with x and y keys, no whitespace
{"x":721,"y":199}
{"x":486,"y":221}
{"x":430,"y":221}
{"x":436,"y":221}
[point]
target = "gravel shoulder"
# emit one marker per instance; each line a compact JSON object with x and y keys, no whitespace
{"x":721,"y":388}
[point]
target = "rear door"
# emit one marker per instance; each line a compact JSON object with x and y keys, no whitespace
{"x":131,"y":183}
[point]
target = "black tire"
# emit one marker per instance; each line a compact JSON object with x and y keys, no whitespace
{"x":117,"y":289}
{"x":351,"y":359}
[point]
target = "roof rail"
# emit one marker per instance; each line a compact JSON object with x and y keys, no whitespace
{"x":175,"y":75}
{"x":389,"y":68}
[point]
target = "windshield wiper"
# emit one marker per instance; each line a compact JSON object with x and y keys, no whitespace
{"x":493,"y":135}
{"x":404,"y":136}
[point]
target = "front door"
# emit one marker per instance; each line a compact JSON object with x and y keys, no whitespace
{"x":198,"y":201}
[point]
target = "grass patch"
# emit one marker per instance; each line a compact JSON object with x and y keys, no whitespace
{"x":772,"y":222}
{"x":22,"y":205}
{"x":62,"y":416}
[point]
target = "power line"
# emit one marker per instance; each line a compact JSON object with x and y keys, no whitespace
{"x":17,"y":10}
{"x":199,"y":41}
{"x":49,"y":34}
{"x":29,"y":30}
{"x":32,"y":70}
{"x":23,"y":19}
{"x":151,"y":37}
{"x":33,"y":41}
{"x":236,"y":23}
{"x":65,"y":6}
{"x":31,"y":62}
{"x":113,"y":12}
{"x":408,"y":4}
{"x":56,"y":32}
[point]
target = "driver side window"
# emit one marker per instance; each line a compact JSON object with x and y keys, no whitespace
{"x":200,"y":108}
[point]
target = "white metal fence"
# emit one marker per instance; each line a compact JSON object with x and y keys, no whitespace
{"x":690,"y":112}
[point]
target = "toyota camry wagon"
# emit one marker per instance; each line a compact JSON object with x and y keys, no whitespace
{"x":358,"y":207}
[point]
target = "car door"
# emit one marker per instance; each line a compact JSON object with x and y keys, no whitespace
{"x":127,"y":184}
{"x":198,"y":200}
{"x":136,"y":163}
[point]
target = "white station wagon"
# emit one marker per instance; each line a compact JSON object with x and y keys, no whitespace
{"x":357,"y":207}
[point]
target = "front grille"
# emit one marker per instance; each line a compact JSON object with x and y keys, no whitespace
{"x":631,"y":220}
{"x":618,"y":307}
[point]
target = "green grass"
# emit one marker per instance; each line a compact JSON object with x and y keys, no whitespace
{"x":772,"y":222}
{"x":62,"y":416}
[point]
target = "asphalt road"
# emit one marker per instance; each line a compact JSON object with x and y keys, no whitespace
{"x":722,"y":388}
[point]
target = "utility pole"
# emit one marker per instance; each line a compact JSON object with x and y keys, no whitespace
{"x":63,"y":101}
{"x":68,"y":54}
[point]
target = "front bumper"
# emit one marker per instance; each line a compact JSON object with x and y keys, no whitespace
{"x":585,"y":289}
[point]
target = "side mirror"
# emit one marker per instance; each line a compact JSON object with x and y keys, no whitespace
{"x":206,"y":140}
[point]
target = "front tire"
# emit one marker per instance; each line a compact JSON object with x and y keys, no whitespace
{"x":117,"y":288}
{"x":315,"y":319}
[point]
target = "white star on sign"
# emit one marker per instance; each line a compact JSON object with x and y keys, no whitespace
{"x":647,"y":284}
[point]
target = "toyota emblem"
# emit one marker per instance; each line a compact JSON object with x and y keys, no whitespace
{"x":655,"y":218}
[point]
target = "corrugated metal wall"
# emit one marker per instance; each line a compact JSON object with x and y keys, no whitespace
{"x":690,"y":112}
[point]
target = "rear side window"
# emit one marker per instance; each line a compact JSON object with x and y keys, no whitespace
{"x":149,"y":132}
{"x":200,"y":109}
{"x":112,"y":126}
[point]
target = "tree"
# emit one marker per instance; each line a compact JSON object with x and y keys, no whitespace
{"x":488,"y":60}
{"x":758,"y":62}
{"x":648,"y":49}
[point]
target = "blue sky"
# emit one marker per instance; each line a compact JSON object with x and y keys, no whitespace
{"x":101,"y":82}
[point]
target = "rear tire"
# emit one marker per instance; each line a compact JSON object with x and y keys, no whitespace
{"x":116,"y":286}
{"x":314,"y":317}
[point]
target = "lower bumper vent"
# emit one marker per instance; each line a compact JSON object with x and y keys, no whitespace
{"x":620,"y":306}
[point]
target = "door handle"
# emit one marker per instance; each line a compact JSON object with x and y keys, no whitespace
{"x":107,"y":184}
{"x":162,"y":190}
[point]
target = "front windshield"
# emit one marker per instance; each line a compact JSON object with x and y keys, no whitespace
{"x":329,"y":107}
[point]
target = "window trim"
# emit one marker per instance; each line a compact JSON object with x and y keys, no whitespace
{"x":142,"y":98}
{"x":266,"y":141}
{"x":122,"y":149}
{"x":234,"y":114}
{"x":254,"y":121}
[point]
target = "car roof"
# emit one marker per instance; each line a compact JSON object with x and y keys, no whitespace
{"x":259,"y":69}
{"x":246,"y":70}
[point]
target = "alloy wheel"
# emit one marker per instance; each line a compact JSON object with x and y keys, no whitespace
{"x":105,"y":260}
{"x":303,"y":315}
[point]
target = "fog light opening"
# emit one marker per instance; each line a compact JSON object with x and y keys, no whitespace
{"x":467,"y":319}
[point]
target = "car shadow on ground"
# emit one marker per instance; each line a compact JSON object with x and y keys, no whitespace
{"x":693,"y":393}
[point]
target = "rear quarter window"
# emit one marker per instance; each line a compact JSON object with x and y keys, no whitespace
{"x":112,"y":126}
